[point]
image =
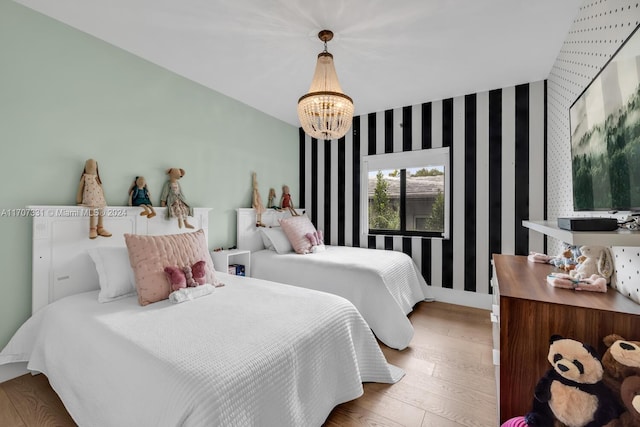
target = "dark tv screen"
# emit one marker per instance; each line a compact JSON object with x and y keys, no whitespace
{"x":605,"y":135}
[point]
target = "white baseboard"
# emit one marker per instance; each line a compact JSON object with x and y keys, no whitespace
{"x":465,"y":298}
{"x":12,"y":370}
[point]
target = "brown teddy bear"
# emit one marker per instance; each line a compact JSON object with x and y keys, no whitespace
{"x":90,"y":194}
{"x":173,"y":198}
{"x":630,"y":394}
{"x":621,"y":360}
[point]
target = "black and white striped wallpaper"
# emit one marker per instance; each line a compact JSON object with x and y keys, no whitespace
{"x":497,"y":141}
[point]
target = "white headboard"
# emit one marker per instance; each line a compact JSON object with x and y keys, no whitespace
{"x":248,"y":235}
{"x":61,"y":265}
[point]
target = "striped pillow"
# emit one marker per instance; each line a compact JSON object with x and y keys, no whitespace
{"x":296,"y":228}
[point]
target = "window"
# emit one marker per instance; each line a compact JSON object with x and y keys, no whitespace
{"x":406,"y":193}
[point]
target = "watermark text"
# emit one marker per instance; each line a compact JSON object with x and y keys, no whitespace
{"x":62,"y":212}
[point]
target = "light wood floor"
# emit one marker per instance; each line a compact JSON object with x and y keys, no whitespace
{"x":449,"y":381}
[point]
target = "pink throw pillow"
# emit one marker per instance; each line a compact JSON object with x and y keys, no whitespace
{"x":296,"y":229}
{"x":149,"y":255}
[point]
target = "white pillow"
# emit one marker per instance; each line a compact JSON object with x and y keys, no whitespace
{"x":274,"y":239}
{"x":114,"y":272}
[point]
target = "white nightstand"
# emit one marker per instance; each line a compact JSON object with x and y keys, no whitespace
{"x":224,"y":258}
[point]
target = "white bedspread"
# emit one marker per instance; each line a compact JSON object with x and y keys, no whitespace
{"x":383,"y":285}
{"x":250,"y":353}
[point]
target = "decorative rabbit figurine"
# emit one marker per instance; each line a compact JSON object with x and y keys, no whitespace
{"x":90,"y":194}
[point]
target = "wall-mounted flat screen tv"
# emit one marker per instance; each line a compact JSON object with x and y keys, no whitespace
{"x":605,"y":135}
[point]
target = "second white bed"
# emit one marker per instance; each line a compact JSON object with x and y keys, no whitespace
{"x":383,"y":285}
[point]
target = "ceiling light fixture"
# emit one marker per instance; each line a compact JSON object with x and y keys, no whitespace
{"x":325,"y":112}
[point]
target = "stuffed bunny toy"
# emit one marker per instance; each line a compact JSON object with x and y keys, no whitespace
{"x":90,"y":194}
{"x":594,"y":260}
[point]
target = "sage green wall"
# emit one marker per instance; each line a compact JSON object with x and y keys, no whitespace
{"x":66,"y":96}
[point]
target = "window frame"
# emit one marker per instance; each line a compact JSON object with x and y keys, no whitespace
{"x":405,"y":160}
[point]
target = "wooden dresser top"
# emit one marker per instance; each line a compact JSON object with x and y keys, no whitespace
{"x":519,"y":278}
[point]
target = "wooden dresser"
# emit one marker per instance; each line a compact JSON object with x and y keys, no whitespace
{"x":529,"y":311}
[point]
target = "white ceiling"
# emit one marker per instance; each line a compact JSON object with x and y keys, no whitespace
{"x":388,"y":54}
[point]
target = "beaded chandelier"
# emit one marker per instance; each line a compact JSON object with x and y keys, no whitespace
{"x":325,"y":112}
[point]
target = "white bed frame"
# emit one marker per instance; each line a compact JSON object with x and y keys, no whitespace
{"x":61,"y":265}
{"x":248,"y":235}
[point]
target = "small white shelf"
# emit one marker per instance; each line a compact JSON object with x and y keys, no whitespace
{"x":224,"y":258}
{"x":618,"y":237}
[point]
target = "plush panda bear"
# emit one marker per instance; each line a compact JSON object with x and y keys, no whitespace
{"x":572,"y":391}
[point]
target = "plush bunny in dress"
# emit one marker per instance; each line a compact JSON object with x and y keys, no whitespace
{"x":256,"y":202}
{"x":90,"y":194}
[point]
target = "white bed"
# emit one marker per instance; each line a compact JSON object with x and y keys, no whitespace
{"x":383,"y":285}
{"x":251,"y":353}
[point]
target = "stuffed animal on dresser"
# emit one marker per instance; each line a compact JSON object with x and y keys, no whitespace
{"x":567,"y":260}
{"x":90,"y":194}
{"x":621,"y":360}
{"x":630,"y":395}
{"x":173,"y":198}
{"x":594,"y":260}
{"x":572,"y":391}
